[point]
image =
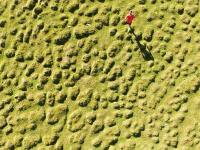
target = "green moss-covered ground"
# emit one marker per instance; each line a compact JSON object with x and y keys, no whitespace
{"x":73,"y":78}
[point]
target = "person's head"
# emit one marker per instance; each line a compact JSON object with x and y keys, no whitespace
{"x":131,"y":12}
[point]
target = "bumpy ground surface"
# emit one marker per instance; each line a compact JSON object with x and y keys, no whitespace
{"x":72,"y":78}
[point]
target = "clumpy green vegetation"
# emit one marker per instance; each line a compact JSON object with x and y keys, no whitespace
{"x":72,"y":77}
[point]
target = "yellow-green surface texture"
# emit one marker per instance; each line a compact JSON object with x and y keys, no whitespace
{"x":73,"y":78}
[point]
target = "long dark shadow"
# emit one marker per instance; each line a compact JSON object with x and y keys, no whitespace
{"x":143,"y":49}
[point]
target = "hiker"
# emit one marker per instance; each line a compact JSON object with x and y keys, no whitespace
{"x":129,"y":19}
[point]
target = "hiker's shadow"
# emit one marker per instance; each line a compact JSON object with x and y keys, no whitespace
{"x":143,"y":48}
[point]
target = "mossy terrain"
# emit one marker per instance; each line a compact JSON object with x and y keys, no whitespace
{"x":73,"y":78}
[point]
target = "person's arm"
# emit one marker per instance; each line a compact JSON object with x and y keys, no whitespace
{"x":125,"y":17}
{"x":133,"y":17}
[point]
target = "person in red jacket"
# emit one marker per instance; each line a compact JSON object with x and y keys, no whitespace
{"x":129,"y":19}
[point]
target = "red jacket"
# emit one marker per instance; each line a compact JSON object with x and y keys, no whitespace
{"x":130,"y":18}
